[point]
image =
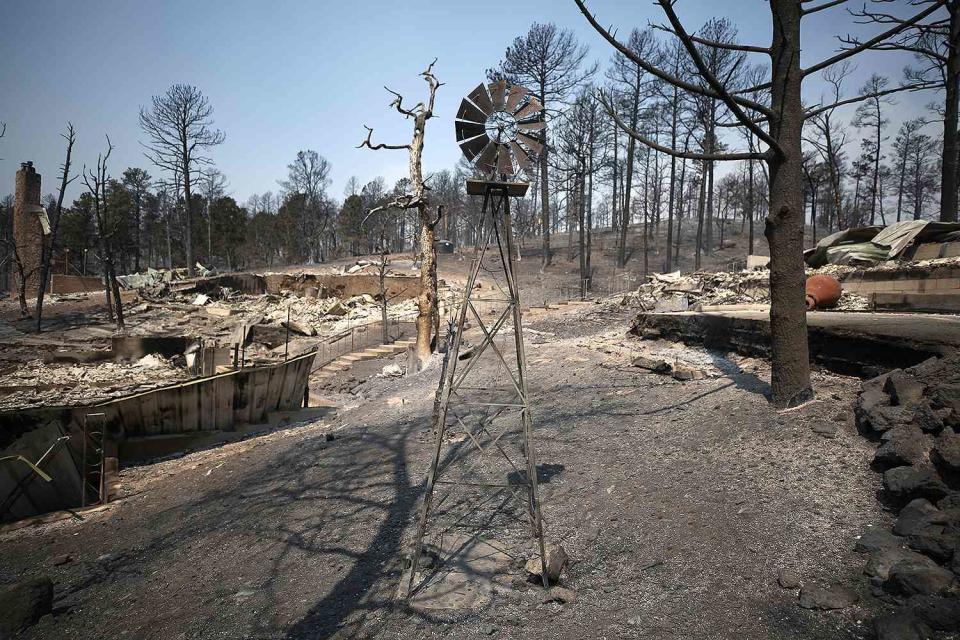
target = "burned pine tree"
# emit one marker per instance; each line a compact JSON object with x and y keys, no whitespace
{"x":936,"y":44}
{"x":179,"y":126}
{"x":96,"y":182}
{"x":779,"y":128}
{"x":47,"y":248}
{"x":417,"y":198}
{"x":548,"y":61}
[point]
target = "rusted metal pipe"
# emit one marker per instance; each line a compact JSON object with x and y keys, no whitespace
{"x":823,"y":291}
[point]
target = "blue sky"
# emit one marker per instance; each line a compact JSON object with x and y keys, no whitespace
{"x":284,"y":76}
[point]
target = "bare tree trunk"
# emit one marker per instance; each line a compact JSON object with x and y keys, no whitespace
{"x":790,"y":375}
{"x":750,"y":206}
{"x":46,"y":250}
{"x":700,"y":206}
{"x":547,"y":259}
{"x":667,"y":262}
{"x":949,"y":165}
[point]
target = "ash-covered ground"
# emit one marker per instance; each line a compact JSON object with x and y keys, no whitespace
{"x":679,"y":503}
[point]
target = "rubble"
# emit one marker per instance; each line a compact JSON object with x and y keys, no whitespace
{"x":677,"y":292}
{"x":36,"y":384}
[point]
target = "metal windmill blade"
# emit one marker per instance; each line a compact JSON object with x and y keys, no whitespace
{"x":481,"y":98}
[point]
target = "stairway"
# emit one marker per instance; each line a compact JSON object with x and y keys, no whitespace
{"x":344,"y":362}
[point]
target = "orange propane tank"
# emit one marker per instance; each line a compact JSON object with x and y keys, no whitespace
{"x":823,"y":291}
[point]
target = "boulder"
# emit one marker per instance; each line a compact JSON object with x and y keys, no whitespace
{"x":876,"y":539}
{"x":883,"y":560}
{"x":904,"y":389}
{"x":942,"y":614}
{"x":914,"y":517}
{"x":950,"y":501}
{"x":872,"y":398}
{"x":883,"y":418}
{"x":946,"y":396}
{"x":557,"y":560}
{"x":930,"y":420}
{"x":906,"y":483}
{"x":900,"y":626}
{"x":912,"y":577}
{"x":835,"y":597}
{"x":23,"y":603}
{"x":904,"y":445}
{"x":946,"y":451}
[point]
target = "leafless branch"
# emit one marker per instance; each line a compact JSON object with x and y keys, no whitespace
{"x":863,"y":46}
{"x":716,"y":85}
{"x":821,"y":7}
{"x":918,"y":86}
{"x":660,"y":73}
{"x":375,"y":147}
{"x":732,"y":46}
{"x":667,"y":150}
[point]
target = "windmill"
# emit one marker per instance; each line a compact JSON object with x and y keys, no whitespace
{"x":498,"y":129}
{"x":483,"y":433}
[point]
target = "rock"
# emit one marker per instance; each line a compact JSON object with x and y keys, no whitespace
{"x":883,"y":560}
{"x":557,"y":560}
{"x":951,"y":501}
{"x":904,"y":389}
{"x":299,"y":327}
{"x":836,"y":597}
{"x":825,"y":430}
{"x":392,"y":371}
{"x":681,"y":372}
{"x":23,"y":603}
{"x":910,"y":577}
{"x":914,"y":517}
{"x":942,"y":614}
{"x":946,"y":396}
{"x":652,"y":364}
{"x":561,"y":595}
{"x":337,"y":309}
{"x":930,"y":420}
{"x":788,"y":579}
{"x":62,"y":560}
{"x":900,"y":626}
{"x":946,"y":451}
{"x":906,"y":483}
{"x":927,"y":368}
{"x":877,"y":539}
{"x":905,"y":444}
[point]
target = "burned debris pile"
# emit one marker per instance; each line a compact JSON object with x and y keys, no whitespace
{"x":666,"y":292}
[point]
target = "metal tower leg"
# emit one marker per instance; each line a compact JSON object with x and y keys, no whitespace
{"x":495,"y":224}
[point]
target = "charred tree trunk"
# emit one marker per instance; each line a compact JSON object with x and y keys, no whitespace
{"x":949,"y":165}
{"x":790,"y":375}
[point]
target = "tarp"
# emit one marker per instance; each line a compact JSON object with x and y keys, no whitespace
{"x":869,"y":245}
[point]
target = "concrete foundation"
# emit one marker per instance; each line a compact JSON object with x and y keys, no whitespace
{"x":861,"y":344}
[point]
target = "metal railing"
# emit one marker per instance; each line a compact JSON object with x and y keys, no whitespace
{"x":371,"y":334}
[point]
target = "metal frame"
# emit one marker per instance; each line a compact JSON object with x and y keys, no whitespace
{"x":496,"y":217}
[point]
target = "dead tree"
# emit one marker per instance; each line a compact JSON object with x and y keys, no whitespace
{"x":96,"y":182}
{"x":47,"y":248}
{"x":779,"y":128}
{"x":630,"y":83}
{"x":548,"y":61}
{"x":417,"y":198}
{"x":937,"y":45}
{"x":179,"y":128}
